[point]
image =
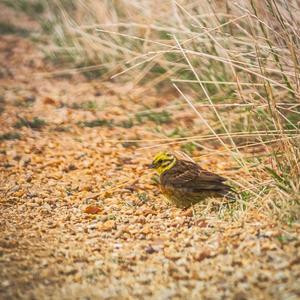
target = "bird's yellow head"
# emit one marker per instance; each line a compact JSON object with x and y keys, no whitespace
{"x":162,"y":162}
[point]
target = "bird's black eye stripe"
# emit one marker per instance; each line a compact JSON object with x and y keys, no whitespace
{"x":160,"y":161}
{"x":163,"y":162}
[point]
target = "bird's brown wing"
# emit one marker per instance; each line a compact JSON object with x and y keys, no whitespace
{"x":189,"y":176}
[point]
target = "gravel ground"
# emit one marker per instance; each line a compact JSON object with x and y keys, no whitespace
{"x":82,"y":218}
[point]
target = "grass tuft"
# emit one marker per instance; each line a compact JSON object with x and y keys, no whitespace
{"x":162,"y":117}
{"x":96,"y":123}
{"x":88,"y":105}
{"x":7,"y":28}
{"x":10,"y":136}
{"x":35,"y":123}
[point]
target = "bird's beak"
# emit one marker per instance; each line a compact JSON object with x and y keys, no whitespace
{"x":151,"y":166}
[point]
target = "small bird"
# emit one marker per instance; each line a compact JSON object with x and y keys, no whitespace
{"x":185,"y":183}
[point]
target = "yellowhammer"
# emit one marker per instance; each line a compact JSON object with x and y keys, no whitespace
{"x":185,"y":183}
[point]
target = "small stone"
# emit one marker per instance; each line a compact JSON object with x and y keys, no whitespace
{"x":171,"y":253}
{"x":85,"y":187}
{"x":108,"y":225}
{"x":28,"y":178}
{"x":141,"y":220}
{"x":206,"y":253}
{"x":117,"y":246}
{"x":70,"y":270}
{"x":146,"y":229}
{"x":92,"y":209}
{"x":150,"y":250}
{"x":5,"y":283}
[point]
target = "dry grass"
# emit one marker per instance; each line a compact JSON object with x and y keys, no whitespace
{"x":235,"y":64}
